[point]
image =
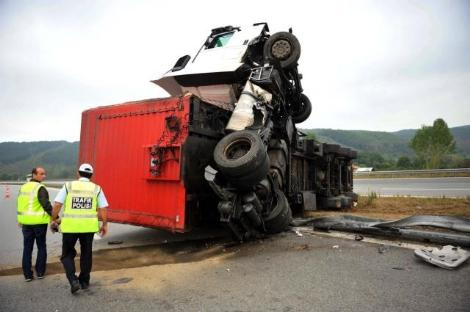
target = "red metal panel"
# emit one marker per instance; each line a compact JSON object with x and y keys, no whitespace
{"x":118,"y":140}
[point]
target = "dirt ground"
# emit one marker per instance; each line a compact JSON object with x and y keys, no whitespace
{"x":401,"y":207}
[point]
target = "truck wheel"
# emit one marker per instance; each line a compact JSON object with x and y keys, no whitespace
{"x":303,"y":110}
{"x":281,"y":215}
{"x":242,"y":156}
{"x":283,"y":47}
{"x":249,"y":180}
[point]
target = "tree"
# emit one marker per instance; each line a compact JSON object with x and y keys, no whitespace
{"x":404,"y":163}
{"x":375,"y":160}
{"x":432,"y":143}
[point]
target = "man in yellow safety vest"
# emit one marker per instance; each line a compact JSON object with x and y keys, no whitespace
{"x":84,"y":203}
{"x":34,"y":210}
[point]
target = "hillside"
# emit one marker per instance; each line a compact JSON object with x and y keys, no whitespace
{"x":376,"y":149}
{"x":59,"y":158}
{"x":389,"y":144}
{"x":385,"y":143}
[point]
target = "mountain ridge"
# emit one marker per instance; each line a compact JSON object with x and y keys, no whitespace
{"x":60,"y":157}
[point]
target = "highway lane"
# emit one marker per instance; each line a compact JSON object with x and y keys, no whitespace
{"x":425,"y":187}
{"x":286,"y":272}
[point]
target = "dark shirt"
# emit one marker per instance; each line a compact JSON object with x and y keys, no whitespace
{"x":43,"y":197}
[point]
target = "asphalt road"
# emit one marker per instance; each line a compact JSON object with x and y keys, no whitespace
{"x":283,"y":273}
{"x":286,"y":272}
{"x":426,"y":187}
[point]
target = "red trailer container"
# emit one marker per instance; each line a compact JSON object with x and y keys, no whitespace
{"x":149,"y":156}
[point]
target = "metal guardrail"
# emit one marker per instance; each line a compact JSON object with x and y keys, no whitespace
{"x":447,"y":172}
{"x":53,"y":184}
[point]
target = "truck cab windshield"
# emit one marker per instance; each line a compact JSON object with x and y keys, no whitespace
{"x":220,"y":40}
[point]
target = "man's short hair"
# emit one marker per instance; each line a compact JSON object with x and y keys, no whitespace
{"x":35,"y":170}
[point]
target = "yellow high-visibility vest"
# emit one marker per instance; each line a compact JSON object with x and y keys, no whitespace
{"x":29,"y":209}
{"x":80,"y":213}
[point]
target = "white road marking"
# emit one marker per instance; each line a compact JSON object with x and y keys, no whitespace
{"x":436,"y":178}
{"x":423,"y":189}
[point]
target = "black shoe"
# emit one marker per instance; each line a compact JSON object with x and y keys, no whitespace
{"x":84,"y":285}
{"x":28,"y":279}
{"x":40,"y":276}
{"x":74,"y":286}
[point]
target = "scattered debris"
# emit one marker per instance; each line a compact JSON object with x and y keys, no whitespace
{"x":446,"y":222}
{"x":383,"y":248}
{"x":400,"y":228}
{"x":302,"y":247}
{"x":335,"y":246}
{"x":122,"y":280}
{"x":297,"y":232}
{"x":447,"y":257}
{"x":301,"y":221}
{"x":227,"y":269}
{"x":398,"y":268}
{"x":358,"y":237}
{"x":116,"y":242}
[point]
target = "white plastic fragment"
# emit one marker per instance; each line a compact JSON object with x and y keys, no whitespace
{"x":447,"y":257}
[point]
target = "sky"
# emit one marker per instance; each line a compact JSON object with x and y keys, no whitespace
{"x":371,"y":65}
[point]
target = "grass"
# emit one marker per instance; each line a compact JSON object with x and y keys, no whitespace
{"x":397,"y":207}
{"x":371,"y":197}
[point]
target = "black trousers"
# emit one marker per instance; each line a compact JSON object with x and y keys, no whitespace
{"x":68,"y":255}
{"x":33,"y":233}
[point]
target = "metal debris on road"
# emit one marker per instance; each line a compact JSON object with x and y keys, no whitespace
{"x":297,"y":232}
{"x":383,"y":248}
{"x":358,"y":237}
{"x":116,"y":242}
{"x":400,"y":228}
{"x":447,"y":257}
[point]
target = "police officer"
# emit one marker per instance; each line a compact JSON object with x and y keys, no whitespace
{"x":34,"y":210}
{"x":84,"y":202}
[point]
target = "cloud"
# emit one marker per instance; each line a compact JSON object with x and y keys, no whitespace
{"x":366,"y":65}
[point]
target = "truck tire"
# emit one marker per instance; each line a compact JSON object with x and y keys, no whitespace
{"x":242,"y":156}
{"x":249,"y":180}
{"x":283,"y":47}
{"x":302,"y":110}
{"x":281,"y":215}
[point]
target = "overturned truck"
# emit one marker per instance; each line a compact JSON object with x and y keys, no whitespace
{"x":224,"y":147}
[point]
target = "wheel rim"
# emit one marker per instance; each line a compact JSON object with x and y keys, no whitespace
{"x":281,"y":49}
{"x":237,"y":149}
